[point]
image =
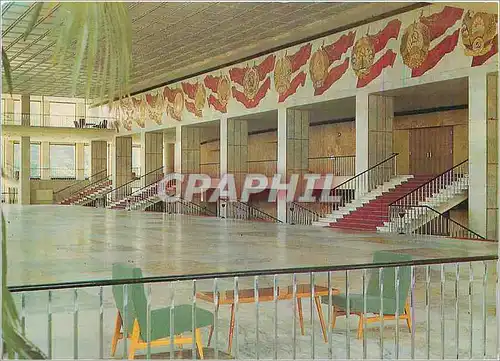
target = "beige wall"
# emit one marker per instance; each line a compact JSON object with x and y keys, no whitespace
{"x":41,"y":190}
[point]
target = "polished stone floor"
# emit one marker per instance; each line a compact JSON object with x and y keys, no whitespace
{"x":49,"y":244}
{"x":66,"y":243}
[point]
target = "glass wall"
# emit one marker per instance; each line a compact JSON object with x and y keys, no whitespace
{"x":34,"y":159}
{"x":62,"y":114}
{"x":36,"y":113}
{"x":62,"y":161}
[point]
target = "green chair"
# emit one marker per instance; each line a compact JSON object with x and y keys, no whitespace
{"x":135,"y":322}
{"x":339,"y":302}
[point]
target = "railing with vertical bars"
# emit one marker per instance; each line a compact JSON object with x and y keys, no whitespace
{"x":409,"y":211}
{"x":425,"y":220}
{"x":121,"y":193}
{"x":352,"y":189}
{"x":337,"y":165}
{"x":299,"y":214}
{"x":435,"y":308}
{"x":244,"y":211}
{"x":82,"y":186}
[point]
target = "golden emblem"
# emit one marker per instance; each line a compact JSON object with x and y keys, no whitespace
{"x":178,"y":104}
{"x":199,"y":97}
{"x":362,"y":57}
{"x":155,"y":108}
{"x":282,"y":75}
{"x":415,"y":44}
{"x":251,"y":83}
{"x":318,"y":67}
{"x":224,"y":90}
{"x":478,"y":31}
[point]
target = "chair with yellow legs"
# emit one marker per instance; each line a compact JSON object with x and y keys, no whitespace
{"x":135,"y":323}
{"x":356,"y":302}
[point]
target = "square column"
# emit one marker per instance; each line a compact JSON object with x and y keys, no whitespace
{"x":374,"y":117}
{"x":178,"y":150}
{"x":45,"y":160}
{"x":98,"y":159}
{"x":80,"y":161}
{"x":122,"y":167}
{"x":151,"y":156}
{"x":492,"y":193}
{"x":478,"y":156}
{"x":25,"y":172}
{"x":237,"y":151}
{"x":293,"y":150}
{"x":25,"y":110}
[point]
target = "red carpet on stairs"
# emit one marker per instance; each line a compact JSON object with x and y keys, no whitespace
{"x":374,"y":213}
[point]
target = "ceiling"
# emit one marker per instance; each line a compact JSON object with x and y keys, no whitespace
{"x":173,"y":40}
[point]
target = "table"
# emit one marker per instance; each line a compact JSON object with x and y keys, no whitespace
{"x":267,"y":295}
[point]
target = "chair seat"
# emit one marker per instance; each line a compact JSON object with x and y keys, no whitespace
{"x":356,"y":303}
{"x":160,"y":321}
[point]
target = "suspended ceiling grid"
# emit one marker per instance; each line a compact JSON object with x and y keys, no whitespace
{"x":172,"y":40}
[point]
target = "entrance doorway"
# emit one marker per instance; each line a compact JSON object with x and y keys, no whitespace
{"x":431,"y":150}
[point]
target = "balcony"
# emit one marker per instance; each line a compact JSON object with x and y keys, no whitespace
{"x":58,"y":121}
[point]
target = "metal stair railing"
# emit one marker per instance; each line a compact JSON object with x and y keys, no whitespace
{"x":338,"y":165}
{"x":245,"y":211}
{"x":424,"y":220}
{"x":298,"y":214}
{"x":448,"y":179}
{"x":356,"y":187}
{"x":182,"y":206}
{"x":125,"y":190}
{"x":81,"y":186}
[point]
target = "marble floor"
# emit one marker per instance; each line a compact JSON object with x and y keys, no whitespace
{"x":49,"y":244}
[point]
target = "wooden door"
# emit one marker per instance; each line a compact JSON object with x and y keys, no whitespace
{"x":430,"y":150}
{"x":441,"y":150}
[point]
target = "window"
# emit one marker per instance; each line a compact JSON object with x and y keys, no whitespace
{"x":62,"y":114}
{"x":34,"y":159}
{"x":35,"y":113}
{"x":17,"y":112}
{"x":62,"y":161}
{"x":86,"y":159}
{"x":136,"y":160}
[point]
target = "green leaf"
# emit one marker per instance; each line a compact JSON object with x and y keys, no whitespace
{"x":34,"y":18}
{"x":15,"y":342}
{"x":7,"y":71}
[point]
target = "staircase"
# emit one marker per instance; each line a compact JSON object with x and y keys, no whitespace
{"x":133,"y":195}
{"x":372,"y":210}
{"x":138,"y":200}
{"x":88,"y":194}
{"x":421,"y":211}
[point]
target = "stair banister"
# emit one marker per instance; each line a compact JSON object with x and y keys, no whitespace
{"x":125,"y":190}
{"x":69,"y":191}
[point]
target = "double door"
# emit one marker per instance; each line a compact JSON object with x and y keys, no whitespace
{"x":430,"y":150}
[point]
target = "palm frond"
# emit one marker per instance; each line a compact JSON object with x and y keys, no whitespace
{"x":15,"y":342}
{"x":97,"y":37}
{"x":34,"y":18}
{"x":7,"y":71}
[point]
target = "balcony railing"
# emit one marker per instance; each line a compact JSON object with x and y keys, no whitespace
{"x":339,"y":166}
{"x":54,"y":120}
{"x":438,"y":308}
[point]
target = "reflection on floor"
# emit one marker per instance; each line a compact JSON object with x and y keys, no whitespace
{"x":76,"y":243}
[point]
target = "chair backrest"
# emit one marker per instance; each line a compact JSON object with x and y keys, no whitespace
{"x":140,"y":302}
{"x":389,"y":280}
{"x":124,"y":271}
